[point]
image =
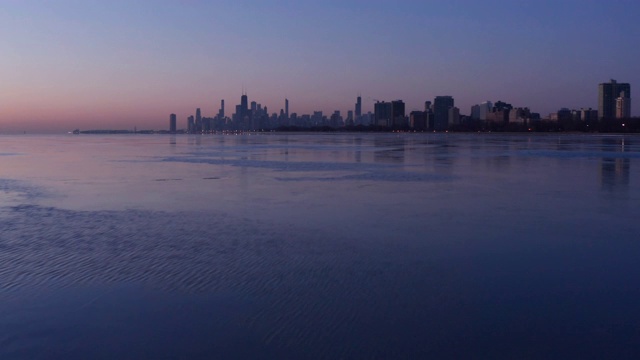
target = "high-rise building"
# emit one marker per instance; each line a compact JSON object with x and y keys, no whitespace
{"x":358,"y":107}
{"x":383,"y":113}
{"x":190,"y":124}
{"x":441,"y":106}
{"x":398,"y":112}
{"x":608,"y":93}
{"x":244,"y":106}
{"x":389,"y":114}
{"x":480,"y":111}
{"x":418,"y":120}
{"x":172,"y":123}
{"x":286,"y":108}
{"x":221,"y":112}
{"x":623,"y":106}
{"x":453,"y":117}
{"x":198,"y":125}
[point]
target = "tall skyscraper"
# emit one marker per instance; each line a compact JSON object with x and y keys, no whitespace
{"x":286,"y":108}
{"x":244,"y":104}
{"x":397,"y":107}
{"x":358,"y":107}
{"x":198,"y":126}
{"x":608,"y":93}
{"x":190,"y":124}
{"x":441,"y":106}
{"x":221,"y":112}
{"x":172,"y":123}
{"x":383,"y":113}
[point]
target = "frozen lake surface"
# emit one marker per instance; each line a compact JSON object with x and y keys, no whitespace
{"x":320,"y":246}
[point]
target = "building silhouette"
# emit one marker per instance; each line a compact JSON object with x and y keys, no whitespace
{"x":441,"y":106}
{"x":172,"y":123}
{"x":608,"y":93}
{"x":286,"y":109}
{"x":398,"y":112}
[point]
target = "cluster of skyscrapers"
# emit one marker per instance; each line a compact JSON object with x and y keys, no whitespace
{"x":614,"y":102}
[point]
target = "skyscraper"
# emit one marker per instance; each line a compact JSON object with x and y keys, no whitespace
{"x":244,"y":106}
{"x":441,"y":106}
{"x":172,"y":123}
{"x":198,"y":120}
{"x":383,"y":113}
{"x":358,"y":107}
{"x":190,"y":124}
{"x":286,"y":108}
{"x":397,"y":107}
{"x":221,"y":112}
{"x":608,"y":93}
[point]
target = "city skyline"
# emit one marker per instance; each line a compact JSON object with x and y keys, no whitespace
{"x":120,"y":65}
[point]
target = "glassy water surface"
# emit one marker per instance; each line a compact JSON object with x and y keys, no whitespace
{"x":319,"y":246}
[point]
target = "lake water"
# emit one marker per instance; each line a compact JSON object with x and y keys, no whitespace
{"x":320,"y":246}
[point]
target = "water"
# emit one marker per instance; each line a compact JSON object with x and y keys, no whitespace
{"x":319,"y":246}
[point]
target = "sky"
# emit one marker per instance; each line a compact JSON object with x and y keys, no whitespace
{"x":119,"y":64}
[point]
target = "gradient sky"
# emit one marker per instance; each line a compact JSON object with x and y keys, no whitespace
{"x":118,"y":64}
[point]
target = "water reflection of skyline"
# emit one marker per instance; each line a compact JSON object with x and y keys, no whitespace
{"x":389,"y":150}
{"x":615,"y":171}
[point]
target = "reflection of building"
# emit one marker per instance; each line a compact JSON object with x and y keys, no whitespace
{"x":615,"y":169}
{"x":607,"y":95}
{"x":389,"y":150}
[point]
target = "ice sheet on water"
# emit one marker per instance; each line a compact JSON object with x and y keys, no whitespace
{"x":281,"y":165}
{"x":393,"y":176}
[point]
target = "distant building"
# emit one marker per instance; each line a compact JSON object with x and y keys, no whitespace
{"x":519,"y":115}
{"x":358,"y":107}
{"x":623,"y":106}
{"x":383,"y":113}
{"x":441,"y":106}
{"x":480,"y":111}
{"x":190,"y":124}
{"x":286,"y":108}
{"x":564,"y":115}
{"x":398,"y":112}
{"x":198,"y":125}
{"x":608,"y":93}
{"x":172,"y":123}
{"x":454,"y":116}
{"x":418,"y":120}
{"x":390,"y":114}
{"x":589,"y":115}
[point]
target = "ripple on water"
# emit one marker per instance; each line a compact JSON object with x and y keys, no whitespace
{"x":307,"y":287}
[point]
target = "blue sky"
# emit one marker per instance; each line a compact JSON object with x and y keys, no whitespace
{"x":94,"y":64}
